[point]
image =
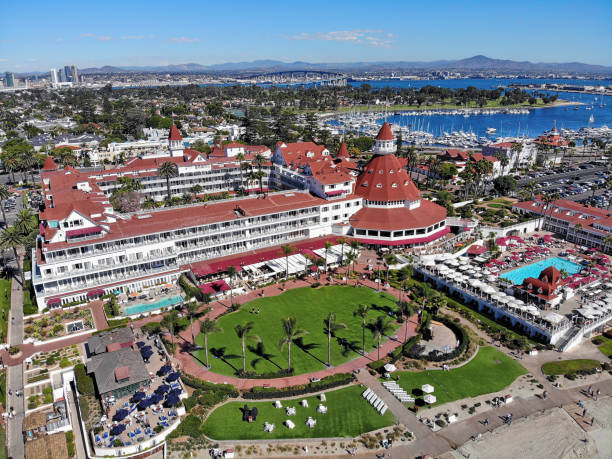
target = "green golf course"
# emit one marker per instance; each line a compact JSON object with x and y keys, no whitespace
{"x":310,"y":307}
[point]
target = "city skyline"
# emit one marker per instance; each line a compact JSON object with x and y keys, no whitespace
{"x":154,"y":34}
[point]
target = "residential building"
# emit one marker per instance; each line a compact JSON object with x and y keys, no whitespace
{"x":584,"y":225}
{"x":110,"y":341}
{"x":461,"y":158}
{"x":519,"y":154}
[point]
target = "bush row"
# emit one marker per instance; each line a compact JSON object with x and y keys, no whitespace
{"x":459,"y":332}
{"x":197,"y":383}
{"x":85,"y":383}
{"x":329,"y":382}
{"x":270,"y":375}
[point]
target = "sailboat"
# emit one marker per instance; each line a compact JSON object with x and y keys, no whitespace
{"x":591,"y":119}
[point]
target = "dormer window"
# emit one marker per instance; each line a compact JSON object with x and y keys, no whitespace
{"x":364,"y":184}
{"x":390,"y":171}
{"x":406,"y":183}
{"x":380,"y":171}
{"x":394,"y":185}
{"x":379,"y":185}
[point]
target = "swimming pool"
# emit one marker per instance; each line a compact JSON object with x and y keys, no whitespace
{"x":146,"y":307}
{"x":516,"y":276}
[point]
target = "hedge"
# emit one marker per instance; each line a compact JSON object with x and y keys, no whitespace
{"x":85,"y":383}
{"x":190,"y":289}
{"x":152,"y":328}
{"x":197,"y":383}
{"x":271,"y":375}
{"x":329,"y":382}
{"x":189,"y":426}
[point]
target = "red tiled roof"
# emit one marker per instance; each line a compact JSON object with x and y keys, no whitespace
{"x":122,"y":373}
{"x":416,"y":240}
{"x":385,"y":132}
{"x":477,"y":250}
{"x":175,"y":134}
{"x":343,"y":151}
{"x":49,"y":164}
{"x":384,"y":179}
{"x":112,"y":347}
{"x":398,"y":218}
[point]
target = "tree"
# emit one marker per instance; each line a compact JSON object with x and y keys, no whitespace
{"x":447,"y":171}
{"x":11,"y":238}
{"x":243,"y":331}
{"x":328,"y":245}
{"x":287,"y":250}
{"x":240,"y":157}
{"x":504,"y":184}
{"x":259,"y":160}
{"x":168,"y":170}
{"x":342,"y":242}
{"x":331,"y":327}
{"x":5,"y":193}
{"x":191,"y":308}
{"x":207,"y":327}
{"x":351,"y":257}
{"x":291,"y":334}
{"x":380,"y":327}
{"x":169,"y":323}
{"x":362,"y":311}
{"x":149,"y":203}
{"x":231,"y":272}
{"x":405,"y":310}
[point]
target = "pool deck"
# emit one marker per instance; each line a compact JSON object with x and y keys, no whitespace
{"x":545,"y":264}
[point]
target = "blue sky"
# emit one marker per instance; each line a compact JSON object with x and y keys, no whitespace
{"x":38,"y":35}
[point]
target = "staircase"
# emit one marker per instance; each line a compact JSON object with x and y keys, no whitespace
{"x":572,"y":337}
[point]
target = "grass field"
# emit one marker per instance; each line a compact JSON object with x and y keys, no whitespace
{"x":567,"y":367}
{"x":348,"y":415}
{"x":490,"y":371}
{"x":5,"y":308}
{"x":310,"y":307}
{"x":606,"y":347}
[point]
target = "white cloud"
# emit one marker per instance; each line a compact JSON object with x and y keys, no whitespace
{"x":133,"y":37}
{"x":183,"y":40}
{"x":104,"y":38}
{"x":367,"y":37}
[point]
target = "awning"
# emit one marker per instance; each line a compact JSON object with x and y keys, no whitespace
{"x":83,"y":231}
{"x":213,"y":288}
{"x":335,"y":192}
{"x":417,"y":240}
{"x":54,"y":301}
{"x":477,"y":250}
{"x":97,"y":292}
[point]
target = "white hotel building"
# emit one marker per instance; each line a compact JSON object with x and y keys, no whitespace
{"x":86,"y":249}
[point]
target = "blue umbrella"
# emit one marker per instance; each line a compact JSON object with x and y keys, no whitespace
{"x":176,"y":391}
{"x":156,"y":398}
{"x":172,"y":400}
{"x":140,"y":343}
{"x":146,"y":354}
{"x":118,"y":429}
{"x":173,"y":376}
{"x":146,"y":348}
{"x":163,"y":389}
{"x":138,"y":396}
{"x":120,"y":415}
{"x":144,"y":404}
{"x":165,"y":370}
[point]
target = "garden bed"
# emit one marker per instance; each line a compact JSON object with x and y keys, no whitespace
{"x":59,"y":324}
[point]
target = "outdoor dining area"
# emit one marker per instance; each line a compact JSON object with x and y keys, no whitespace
{"x":143,"y":415}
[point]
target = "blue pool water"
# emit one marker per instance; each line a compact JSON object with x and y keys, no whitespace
{"x":516,"y":276}
{"x":146,"y":307}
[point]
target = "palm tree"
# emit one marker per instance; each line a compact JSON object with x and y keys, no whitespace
{"x":207,"y":327}
{"x":259,"y":161}
{"x":243,"y":331}
{"x":380,"y":327}
{"x":607,"y":241}
{"x":564,"y":273}
{"x":351,"y":257}
{"x":4,"y":195}
{"x":328,"y":245}
{"x":28,"y":161}
{"x":231,"y":272}
{"x":331,"y":327}
{"x":287,"y":250}
{"x":169,"y":323}
{"x":149,"y":203}
{"x":362,"y":311}
{"x":406,"y":310}
{"x":11,"y":238}
{"x":168,"y":170}
{"x":342,"y":242}
{"x":240,"y":157}
{"x":291,"y":333}
{"x":191,"y":308}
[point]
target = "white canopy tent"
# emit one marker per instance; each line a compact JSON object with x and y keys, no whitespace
{"x":427,"y":388}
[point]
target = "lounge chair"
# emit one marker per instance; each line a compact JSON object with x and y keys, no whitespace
{"x":384,"y":410}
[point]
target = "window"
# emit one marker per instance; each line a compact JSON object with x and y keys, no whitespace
{"x":325,"y":209}
{"x":379,"y":185}
{"x":385,"y":234}
{"x":336,"y":207}
{"x":348,"y":204}
{"x":398,"y":233}
{"x":394,"y":185}
{"x":372,"y":233}
{"x":361,"y":232}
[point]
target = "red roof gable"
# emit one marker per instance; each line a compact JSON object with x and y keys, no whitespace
{"x":175,"y":133}
{"x":49,"y":164}
{"x":343,"y":151}
{"x":385,"y":132}
{"x":384,"y":179}
{"x":122,"y":373}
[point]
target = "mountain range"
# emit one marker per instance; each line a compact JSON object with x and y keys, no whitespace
{"x":472,"y":64}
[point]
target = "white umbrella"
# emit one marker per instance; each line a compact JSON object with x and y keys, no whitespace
{"x":488,"y":289}
{"x":452,"y":275}
{"x":452,"y":262}
{"x":476,"y":268}
{"x":430,"y":399}
{"x":477,"y":275}
{"x":464,"y":258}
{"x":429,"y":263}
{"x":464,"y":268}
{"x":503,"y":300}
{"x":427,"y":388}
{"x":390,"y":368}
{"x":475,"y":283}
{"x":486,"y":272}
{"x":443,"y":269}
{"x":492,"y":278}
{"x":496,"y":297}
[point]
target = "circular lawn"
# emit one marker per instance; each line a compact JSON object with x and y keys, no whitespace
{"x":310,"y":307}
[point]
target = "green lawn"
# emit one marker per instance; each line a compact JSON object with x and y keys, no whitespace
{"x":5,"y":308}
{"x":606,"y":347}
{"x":566,"y":367}
{"x":490,"y":371}
{"x":310,"y":307}
{"x":348,"y":415}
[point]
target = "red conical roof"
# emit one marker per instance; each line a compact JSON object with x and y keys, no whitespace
{"x":49,"y":164}
{"x":551,"y":275}
{"x":343,"y":151}
{"x":384,"y":179}
{"x":385,"y":132}
{"x":175,"y":134}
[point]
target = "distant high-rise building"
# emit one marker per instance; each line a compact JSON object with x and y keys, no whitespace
{"x":54,"y":78}
{"x":61,"y":76}
{"x":74,"y":74}
{"x":9,"y":80}
{"x":67,"y":73}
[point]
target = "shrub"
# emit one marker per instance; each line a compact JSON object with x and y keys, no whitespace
{"x":189,"y":426}
{"x":152,"y":328}
{"x":85,"y":383}
{"x":64,"y":362}
{"x":326,"y":383}
{"x":117,"y":442}
{"x":70,"y":444}
{"x":377,"y":365}
{"x":14,"y":350}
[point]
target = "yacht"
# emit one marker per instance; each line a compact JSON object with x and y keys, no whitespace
{"x":491,"y":130}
